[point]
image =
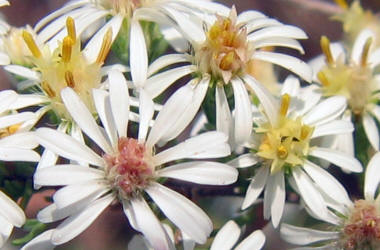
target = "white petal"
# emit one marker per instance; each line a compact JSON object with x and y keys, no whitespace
{"x":291,"y":86}
{"x":327,"y":110}
{"x":67,"y":146}
{"x":359,"y":44}
{"x":243,"y":112}
{"x":371,"y":131}
{"x":28,"y":100}
{"x":181,"y":212}
{"x":310,"y":96}
{"x":226,"y":237}
{"x":18,"y":154}
{"x":243,"y":161}
{"x":23,"y":140}
{"x":309,"y":193}
{"x":277,"y":201}
{"x":372,"y":177}
{"x":333,"y":128}
{"x":340,"y":159}
{"x":223,"y":113}
{"x":256,"y":186}
{"x":11,"y":211}
{"x":326,"y":182}
{"x":148,"y":224}
{"x":60,"y":175}
{"x":206,"y":145}
{"x":279,"y":42}
{"x":138,"y":53}
{"x":260,"y":23}
{"x":291,"y":63}
{"x":304,"y":236}
{"x":76,"y":224}
{"x":17,"y":118}
{"x":146,"y":111}
{"x":23,"y":72}
{"x":84,"y":118}
{"x":201,"y":172}
{"x":249,"y":16}
{"x":5,"y":230}
{"x":7,"y":97}
{"x":119,"y":99}
{"x":166,"y":60}
{"x":268,"y":101}
{"x":255,"y":241}
{"x":41,"y":242}
{"x":48,"y":158}
{"x":273,"y":32}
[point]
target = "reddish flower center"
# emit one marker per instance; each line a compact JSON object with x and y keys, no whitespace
{"x":129,"y":171}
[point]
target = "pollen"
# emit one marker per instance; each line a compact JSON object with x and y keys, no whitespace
{"x":285,"y":102}
{"x":67,"y":47}
{"x":342,"y":3}
{"x":4,"y":132}
{"x":282,"y":152}
{"x":325,"y":46}
{"x":29,"y":40}
{"x":105,"y":48}
{"x":365,"y":52}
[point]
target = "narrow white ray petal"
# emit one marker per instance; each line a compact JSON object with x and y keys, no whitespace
{"x":260,"y":23}
{"x":243,"y":112}
{"x":148,"y":224}
{"x":278,"y":197}
{"x":287,"y":31}
{"x":333,"y":128}
{"x":48,"y":158}
{"x":146,"y":111}
{"x":309,"y":192}
{"x":93,"y":46}
{"x":23,"y":72}
{"x":279,"y":42}
{"x":376,"y":112}
{"x":128,"y":211}
{"x":201,"y":172}
{"x":23,"y":140}
{"x":249,"y":16}
{"x":372,"y":177}
{"x":291,"y":86}
{"x":371,"y":131}
{"x":374,"y":58}
{"x":223,"y":113}
{"x":255,"y":187}
{"x":75,"y":192}
{"x":166,"y":60}
{"x":181,"y":212}
{"x":206,"y":145}
{"x":28,"y":100}
{"x":304,"y":236}
{"x":118,"y":67}
{"x":198,"y":124}
{"x":119,"y":99}
{"x":40,"y":242}
{"x":4,"y":59}
{"x":138,"y":54}
{"x":67,"y":146}
{"x":18,"y":154}
{"x":226,"y":237}
{"x":267,"y":100}
{"x":4,"y":2}
{"x":11,"y":211}
{"x":7,"y":98}
{"x":326,"y":182}
{"x":340,"y":159}
{"x":327,"y":110}
{"x":77,"y":223}
{"x":208,"y":6}
{"x":243,"y":161}
{"x":156,"y":84}
{"x":360,"y":41}
{"x":60,"y":175}
{"x":174,"y":38}
{"x":17,"y":118}
{"x":5,"y":230}
{"x":310,"y":96}
{"x":103,"y":107}
{"x":84,"y":118}
{"x":291,"y":63}
{"x":255,"y":241}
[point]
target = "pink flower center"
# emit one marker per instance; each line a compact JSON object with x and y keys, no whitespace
{"x":362,"y":229}
{"x":129,"y":170}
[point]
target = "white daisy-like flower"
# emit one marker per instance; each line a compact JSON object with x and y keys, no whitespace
{"x":352,"y":224}
{"x":223,"y":46}
{"x":353,"y":76}
{"x":286,"y":135}
{"x":126,"y":169}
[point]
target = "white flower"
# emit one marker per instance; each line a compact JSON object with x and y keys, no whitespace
{"x":352,"y":76}
{"x":127,"y":168}
{"x":353,"y":225}
{"x":286,"y":135}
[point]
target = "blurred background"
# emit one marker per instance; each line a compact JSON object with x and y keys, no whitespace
{"x":111,"y":229}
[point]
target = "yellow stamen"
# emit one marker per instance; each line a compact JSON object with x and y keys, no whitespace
{"x":226,"y":62}
{"x":305,"y":132}
{"x":70,"y":25}
{"x":285,"y":101}
{"x":28,"y":38}
{"x":342,"y":3}
{"x":323,"y":79}
{"x":4,"y":132}
{"x":69,"y":78}
{"x":46,"y":87}
{"x":367,"y":46}
{"x":325,"y":45}
{"x":282,"y":153}
{"x":67,"y":48}
{"x":105,"y":48}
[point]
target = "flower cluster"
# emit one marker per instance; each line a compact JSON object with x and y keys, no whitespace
{"x":133,"y":104}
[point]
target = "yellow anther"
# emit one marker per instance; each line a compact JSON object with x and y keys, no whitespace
{"x":342,"y":3}
{"x":285,"y":102}
{"x":67,"y":48}
{"x":214,"y":32}
{"x":4,"y":132}
{"x":29,"y":40}
{"x":105,"y":48}
{"x":325,"y":46}
{"x":227,"y":61}
{"x":69,"y":78}
{"x":282,"y":152}
{"x":226,"y":23}
{"x":323,"y":79}
{"x":305,"y":132}
{"x":365,"y":52}
{"x":70,"y":25}
{"x":48,"y":90}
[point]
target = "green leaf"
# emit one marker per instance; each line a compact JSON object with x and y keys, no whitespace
{"x":34,"y":227}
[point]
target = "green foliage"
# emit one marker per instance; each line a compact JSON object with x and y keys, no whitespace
{"x":34,"y":227}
